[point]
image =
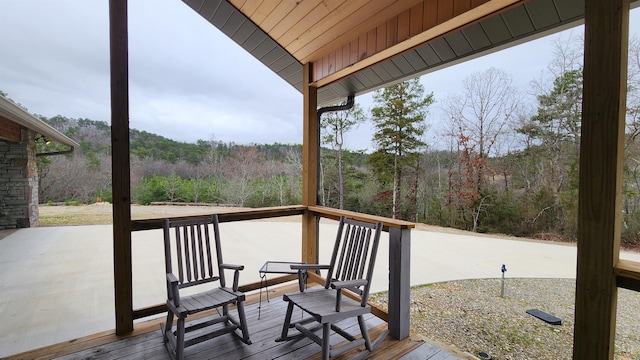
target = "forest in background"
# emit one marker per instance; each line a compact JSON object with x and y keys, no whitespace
{"x":508,"y":167}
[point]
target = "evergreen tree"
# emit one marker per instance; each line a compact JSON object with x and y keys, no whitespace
{"x":555,"y":130}
{"x":398,"y":115}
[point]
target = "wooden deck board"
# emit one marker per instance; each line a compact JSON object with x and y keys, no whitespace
{"x":146,"y":341}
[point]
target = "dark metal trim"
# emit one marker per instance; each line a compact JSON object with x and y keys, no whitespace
{"x":52,"y":153}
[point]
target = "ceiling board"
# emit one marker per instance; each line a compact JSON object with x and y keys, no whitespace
{"x":208,"y":8}
{"x":443,"y":49}
{"x":476,"y":36}
{"x":496,"y":29}
{"x":264,"y":11}
{"x":232,"y":24}
{"x":368,"y":16}
{"x":542,"y":13}
{"x":301,"y":11}
{"x":244,"y":31}
{"x":569,"y":9}
{"x":195,"y":4}
{"x":459,"y":43}
{"x":428,"y":55}
{"x":401,"y":66}
{"x":414,"y":60}
{"x":343,"y":34}
{"x":518,"y":21}
{"x":381,"y":73}
{"x":222,"y":14}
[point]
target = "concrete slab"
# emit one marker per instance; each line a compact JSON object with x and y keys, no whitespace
{"x":57,"y":282}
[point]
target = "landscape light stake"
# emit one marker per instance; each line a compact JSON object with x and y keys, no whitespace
{"x":504,"y":270}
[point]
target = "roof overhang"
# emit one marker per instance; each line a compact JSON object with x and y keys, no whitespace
{"x":361,"y":55}
{"x":18,"y":115}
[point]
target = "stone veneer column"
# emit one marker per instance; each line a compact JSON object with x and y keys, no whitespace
{"x":18,"y":182}
{"x":32,"y":177}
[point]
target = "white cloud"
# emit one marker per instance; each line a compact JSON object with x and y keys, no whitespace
{"x":187,"y":79}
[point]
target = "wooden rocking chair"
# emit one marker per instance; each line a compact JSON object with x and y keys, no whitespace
{"x":198,"y":263}
{"x":350,"y":268}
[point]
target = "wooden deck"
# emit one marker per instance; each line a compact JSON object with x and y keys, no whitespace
{"x":146,"y":341}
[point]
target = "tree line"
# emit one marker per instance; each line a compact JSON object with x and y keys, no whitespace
{"x":508,"y":165}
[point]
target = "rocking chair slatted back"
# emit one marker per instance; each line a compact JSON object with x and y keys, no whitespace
{"x":194,"y":252}
{"x":357,"y":245}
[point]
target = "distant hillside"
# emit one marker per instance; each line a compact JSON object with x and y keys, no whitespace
{"x":95,"y":136}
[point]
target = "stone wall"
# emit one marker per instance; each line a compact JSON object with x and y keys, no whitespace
{"x":18,"y":182}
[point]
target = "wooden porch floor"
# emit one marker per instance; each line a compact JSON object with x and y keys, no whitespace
{"x":146,"y":341}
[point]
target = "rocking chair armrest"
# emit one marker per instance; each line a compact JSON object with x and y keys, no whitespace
{"x":172,"y":278}
{"x":174,"y":293}
{"x":236,"y":273}
{"x":339,"y":285}
{"x":302,"y":272}
{"x":232,"y":266}
{"x":308,"y":267}
{"x":348,"y":283}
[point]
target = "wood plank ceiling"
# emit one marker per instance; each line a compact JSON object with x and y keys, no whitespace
{"x":356,"y":46}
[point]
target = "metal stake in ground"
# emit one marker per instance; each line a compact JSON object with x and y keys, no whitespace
{"x":504,"y":270}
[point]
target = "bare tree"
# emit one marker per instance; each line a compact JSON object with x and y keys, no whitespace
{"x":245,"y":164}
{"x":335,"y":125}
{"x":478,"y":118}
{"x":212,"y":160}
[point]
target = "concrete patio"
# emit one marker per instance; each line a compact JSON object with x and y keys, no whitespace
{"x":57,"y":282}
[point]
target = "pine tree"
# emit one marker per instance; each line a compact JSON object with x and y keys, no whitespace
{"x":399,"y":116}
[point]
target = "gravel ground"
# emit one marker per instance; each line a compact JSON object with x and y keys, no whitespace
{"x":471,"y":315}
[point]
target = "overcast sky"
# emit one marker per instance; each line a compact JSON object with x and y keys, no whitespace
{"x":187,"y":80}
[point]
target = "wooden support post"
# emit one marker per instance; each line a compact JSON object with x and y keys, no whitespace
{"x":310,"y":161}
{"x":399,"y":282}
{"x":601,"y":164}
{"x":121,"y":185}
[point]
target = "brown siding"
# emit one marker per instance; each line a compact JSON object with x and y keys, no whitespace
{"x":460,"y":6}
{"x":9,"y":130}
{"x":415,"y":23}
{"x":419,"y":18}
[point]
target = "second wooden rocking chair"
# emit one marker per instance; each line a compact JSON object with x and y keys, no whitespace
{"x":350,"y":268}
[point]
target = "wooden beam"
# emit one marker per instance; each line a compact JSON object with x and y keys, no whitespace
{"x":121,"y":185}
{"x":230,"y":216}
{"x":335,"y":214}
{"x":310,"y":161}
{"x":628,"y":274}
{"x":601,"y":164}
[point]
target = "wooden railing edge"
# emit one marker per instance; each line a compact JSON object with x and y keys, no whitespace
{"x":628,"y":274}
{"x":265,"y":213}
{"x":279,"y":211}
{"x":226,"y":216}
{"x":335,"y":214}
